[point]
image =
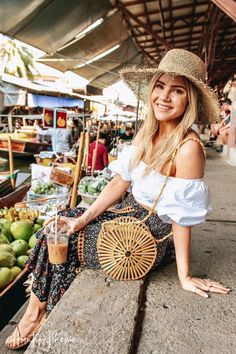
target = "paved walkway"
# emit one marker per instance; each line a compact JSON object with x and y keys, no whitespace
{"x":156,"y":317}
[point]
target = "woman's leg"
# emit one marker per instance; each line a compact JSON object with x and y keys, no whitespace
{"x":32,"y":315}
{"x":30,"y":323}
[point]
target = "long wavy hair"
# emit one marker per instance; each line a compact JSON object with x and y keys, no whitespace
{"x":157,"y":155}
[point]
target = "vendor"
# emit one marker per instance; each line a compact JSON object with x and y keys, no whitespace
{"x":63,"y":138}
{"x":102,"y":154}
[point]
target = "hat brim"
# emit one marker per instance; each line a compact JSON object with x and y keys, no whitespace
{"x":138,"y":80}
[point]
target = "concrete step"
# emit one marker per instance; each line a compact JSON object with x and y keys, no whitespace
{"x":96,"y":315}
{"x":180,"y":322}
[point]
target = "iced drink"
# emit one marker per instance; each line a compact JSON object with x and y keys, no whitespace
{"x":57,"y":245}
{"x":57,"y":252}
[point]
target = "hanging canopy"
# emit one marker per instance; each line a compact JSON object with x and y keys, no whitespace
{"x":35,"y":100}
{"x":95,"y":38}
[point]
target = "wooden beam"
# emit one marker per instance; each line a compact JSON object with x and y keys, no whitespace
{"x":136,"y":2}
{"x":191,"y":28}
{"x":177,"y":35}
{"x":147,"y":28}
{"x":170,"y":5}
{"x":162,"y":19}
{"x":212,"y":28}
{"x":227,"y":6}
{"x":181,"y":18}
{"x":167,"y":8}
{"x":145,"y":54}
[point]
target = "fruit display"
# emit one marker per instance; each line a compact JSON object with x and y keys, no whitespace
{"x":47,"y":196}
{"x":7,"y":216}
{"x":90,"y":187}
{"x":44,"y":188}
{"x":17,"y":239}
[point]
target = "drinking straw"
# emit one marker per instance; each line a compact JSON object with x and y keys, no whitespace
{"x":56,"y":226}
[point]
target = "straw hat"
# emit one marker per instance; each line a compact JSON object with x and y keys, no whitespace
{"x":176,"y":62}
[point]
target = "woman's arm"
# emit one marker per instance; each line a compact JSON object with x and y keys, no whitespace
{"x":110,"y":195}
{"x":182,"y":241}
{"x":190,"y":164}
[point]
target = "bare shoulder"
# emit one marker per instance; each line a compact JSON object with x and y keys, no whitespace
{"x":190,"y":160}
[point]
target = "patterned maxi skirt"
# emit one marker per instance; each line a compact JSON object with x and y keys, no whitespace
{"x":51,"y":281}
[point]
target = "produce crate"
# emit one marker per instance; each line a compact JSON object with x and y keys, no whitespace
{"x":61,"y":177}
{"x":44,"y":161}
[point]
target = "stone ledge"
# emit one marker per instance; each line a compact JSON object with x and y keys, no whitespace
{"x":94,"y":316}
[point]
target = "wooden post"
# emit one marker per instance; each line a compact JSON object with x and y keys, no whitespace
{"x":86,"y":153}
{"x":11,"y":163}
{"x":95,"y":150}
{"x":77,"y":171}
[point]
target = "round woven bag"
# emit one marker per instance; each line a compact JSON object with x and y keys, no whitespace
{"x":126,"y":248}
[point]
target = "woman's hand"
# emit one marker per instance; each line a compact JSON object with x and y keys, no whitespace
{"x":72,"y":224}
{"x":203,"y":286}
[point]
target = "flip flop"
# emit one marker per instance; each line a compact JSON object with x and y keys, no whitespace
{"x":15,"y":341}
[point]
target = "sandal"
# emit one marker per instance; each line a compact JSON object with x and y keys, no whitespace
{"x":15,"y":341}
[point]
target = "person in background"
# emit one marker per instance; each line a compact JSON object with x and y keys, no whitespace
{"x":63,"y":138}
{"x":73,"y":126}
{"x":230,"y":89}
{"x":128,"y":134}
{"x":226,"y":107}
{"x":102,"y":154}
{"x":106,"y":130}
{"x":18,"y":125}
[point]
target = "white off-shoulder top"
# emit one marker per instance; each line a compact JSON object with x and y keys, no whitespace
{"x":185,"y":201}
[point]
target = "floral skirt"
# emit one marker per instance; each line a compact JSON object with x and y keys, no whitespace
{"x":51,"y":281}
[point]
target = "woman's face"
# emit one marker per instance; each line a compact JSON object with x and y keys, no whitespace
{"x":169,"y":98}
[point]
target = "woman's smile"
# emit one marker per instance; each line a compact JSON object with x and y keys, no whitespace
{"x":169,"y":97}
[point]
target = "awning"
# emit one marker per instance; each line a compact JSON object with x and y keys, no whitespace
{"x":12,"y":95}
{"x":35,"y":100}
{"x":60,"y":28}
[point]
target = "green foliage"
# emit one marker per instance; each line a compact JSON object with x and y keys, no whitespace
{"x":19,"y":61}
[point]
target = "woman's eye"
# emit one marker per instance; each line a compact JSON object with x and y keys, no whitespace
{"x":178,"y":91}
{"x":158,"y":86}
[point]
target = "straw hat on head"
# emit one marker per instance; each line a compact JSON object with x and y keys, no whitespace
{"x":179,"y":62}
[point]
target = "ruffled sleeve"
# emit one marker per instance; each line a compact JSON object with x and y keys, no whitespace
{"x":185,"y":202}
{"x":121,"y":165}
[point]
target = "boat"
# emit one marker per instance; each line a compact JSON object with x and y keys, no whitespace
{"x":6,"y":182}
{"x":12,"y":297}
{"x":3,"y":161}
{"x":10,"y":196}
{"x":22,"y":147}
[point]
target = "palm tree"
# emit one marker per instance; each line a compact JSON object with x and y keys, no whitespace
{"x":18,"y":60}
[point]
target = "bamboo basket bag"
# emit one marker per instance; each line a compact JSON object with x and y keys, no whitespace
{"x":126,"y":248}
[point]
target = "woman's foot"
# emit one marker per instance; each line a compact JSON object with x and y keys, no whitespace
{"x":25,"y":330}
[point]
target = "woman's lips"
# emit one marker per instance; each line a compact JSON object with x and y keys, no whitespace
{"x":163,"y":108}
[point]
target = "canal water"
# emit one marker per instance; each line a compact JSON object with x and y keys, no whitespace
{"x":21,"y":163}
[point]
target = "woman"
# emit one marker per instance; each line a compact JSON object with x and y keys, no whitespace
{"x":177,"y":98}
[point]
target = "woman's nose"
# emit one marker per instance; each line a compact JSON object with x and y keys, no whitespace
{"x":165,"y":94}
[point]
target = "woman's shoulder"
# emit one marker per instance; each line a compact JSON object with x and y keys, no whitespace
{"x":190,"y":159}
{"x":191,"y":145}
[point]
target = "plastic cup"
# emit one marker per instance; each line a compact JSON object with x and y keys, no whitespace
{"x":57,"y":245}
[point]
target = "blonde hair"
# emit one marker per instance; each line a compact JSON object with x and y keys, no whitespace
{"x":157,"y":156}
